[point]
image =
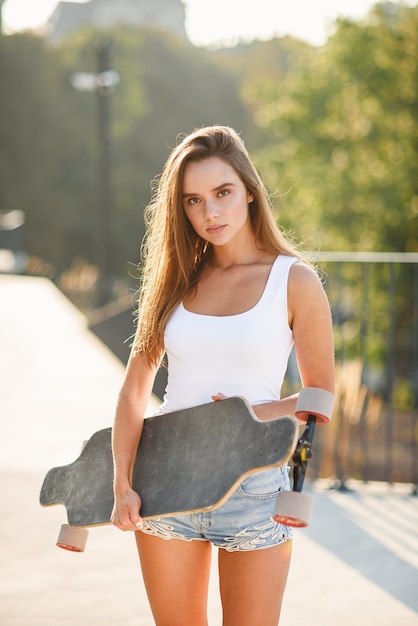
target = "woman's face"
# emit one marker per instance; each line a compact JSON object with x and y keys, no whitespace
{"x":215,"y":200}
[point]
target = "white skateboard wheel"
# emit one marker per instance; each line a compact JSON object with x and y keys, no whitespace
{"x":293,"y":508}
{"x":315,"y":401}
{"x":73,"y":539}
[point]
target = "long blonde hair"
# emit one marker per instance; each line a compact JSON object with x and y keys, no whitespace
{"x":173,"y":254}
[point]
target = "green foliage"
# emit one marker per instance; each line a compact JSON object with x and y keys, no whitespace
{"x":49,"y":141}
{"x":344,"y":137}
{"x":261,"y":67}
{"x":44,"y":171}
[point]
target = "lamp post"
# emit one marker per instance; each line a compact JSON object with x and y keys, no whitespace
{"x":103,"y":84}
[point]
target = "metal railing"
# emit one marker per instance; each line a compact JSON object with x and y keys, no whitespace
{"x":374,"y":431}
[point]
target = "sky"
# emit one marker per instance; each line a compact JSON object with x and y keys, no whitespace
{"x":226,"y":22}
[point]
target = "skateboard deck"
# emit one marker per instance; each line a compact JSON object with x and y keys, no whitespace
{"x":187,"y":461}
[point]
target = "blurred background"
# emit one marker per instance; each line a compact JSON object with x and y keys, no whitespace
{"x":93,"y":96}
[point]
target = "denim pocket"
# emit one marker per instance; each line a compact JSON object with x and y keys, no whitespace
{"x":265,"y":484}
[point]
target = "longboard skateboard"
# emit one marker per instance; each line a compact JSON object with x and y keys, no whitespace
{"x":187,"y":461}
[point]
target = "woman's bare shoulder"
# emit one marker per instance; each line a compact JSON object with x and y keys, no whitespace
{"x":302,"y":275}
{"x":305,"y":291}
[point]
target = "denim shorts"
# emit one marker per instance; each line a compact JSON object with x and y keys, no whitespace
{"x":243,"y":522}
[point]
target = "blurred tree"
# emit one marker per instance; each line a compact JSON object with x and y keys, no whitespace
{"x":261,"y":68}
{"x":48,"y":134}
{"x":40,"y":163}
{"x":344,"y":137}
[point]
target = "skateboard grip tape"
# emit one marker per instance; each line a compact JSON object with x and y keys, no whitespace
{"x":315,"y":401}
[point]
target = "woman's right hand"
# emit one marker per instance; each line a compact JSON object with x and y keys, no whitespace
{"x":125,"y":514}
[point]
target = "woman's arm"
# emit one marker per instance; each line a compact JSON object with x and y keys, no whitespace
{"x":126,"y":433}
{"x":310,"y":320}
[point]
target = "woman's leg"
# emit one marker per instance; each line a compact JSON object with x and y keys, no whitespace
{"x":252,"y":585}
{"x":176,"y":576}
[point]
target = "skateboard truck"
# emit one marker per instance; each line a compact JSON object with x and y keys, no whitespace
{"x":293,"y":508}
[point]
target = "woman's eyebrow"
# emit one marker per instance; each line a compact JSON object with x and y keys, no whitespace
{"x":217,"y":188}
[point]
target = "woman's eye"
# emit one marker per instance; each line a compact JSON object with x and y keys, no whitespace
{"x":193,"y":201}
{"x":223,"y":192}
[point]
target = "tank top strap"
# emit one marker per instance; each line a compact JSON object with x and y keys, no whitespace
{"x":276,"y":286}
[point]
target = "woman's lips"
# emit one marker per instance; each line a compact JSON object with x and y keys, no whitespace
{"x":216,"y":230}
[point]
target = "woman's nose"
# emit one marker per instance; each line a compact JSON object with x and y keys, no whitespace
{"x":211,"y":210}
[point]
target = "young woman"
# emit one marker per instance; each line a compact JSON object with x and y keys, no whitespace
{"x":224,"y":296}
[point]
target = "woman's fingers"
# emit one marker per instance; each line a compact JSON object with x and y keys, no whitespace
{"x":125,"y":514}
{"x":218,"y":396}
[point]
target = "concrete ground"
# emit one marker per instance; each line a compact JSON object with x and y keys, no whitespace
{"x":356,"y":564}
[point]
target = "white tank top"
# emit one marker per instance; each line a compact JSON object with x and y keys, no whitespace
{"x":237,"y":355}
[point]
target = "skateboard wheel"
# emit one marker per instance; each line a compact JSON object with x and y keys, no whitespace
{"x":293,"y":508}
{"x":315,"y":401}
{"x":73,"y":539}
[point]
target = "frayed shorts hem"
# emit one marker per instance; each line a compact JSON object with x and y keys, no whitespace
{"x":240,"y":548}
{"x":244,"y":522}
